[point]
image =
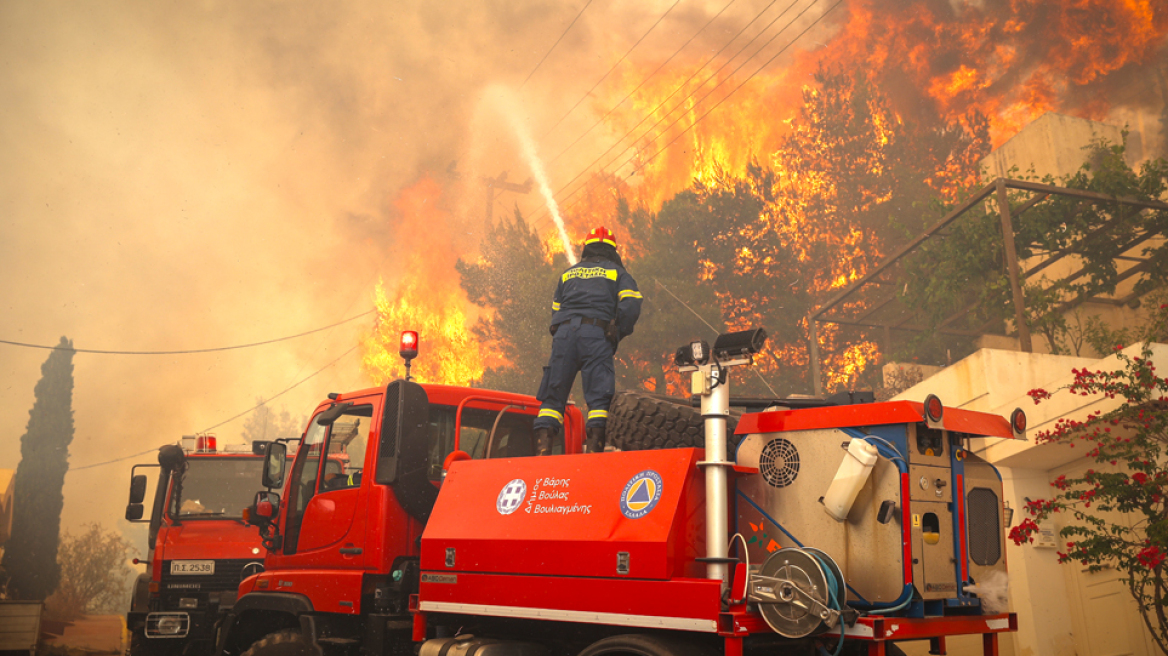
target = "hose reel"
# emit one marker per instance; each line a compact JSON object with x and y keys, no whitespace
{"x":799,"y":592}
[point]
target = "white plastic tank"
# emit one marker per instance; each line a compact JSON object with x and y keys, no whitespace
{"x":853,"y":472}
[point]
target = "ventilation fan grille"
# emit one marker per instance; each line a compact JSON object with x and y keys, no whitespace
{"x":779,"y":463}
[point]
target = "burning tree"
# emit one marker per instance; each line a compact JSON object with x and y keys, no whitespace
{"x":1120,"y":511}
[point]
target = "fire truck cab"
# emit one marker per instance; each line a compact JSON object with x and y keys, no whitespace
{"x":347,"y":544}
{"x":199,"y":548}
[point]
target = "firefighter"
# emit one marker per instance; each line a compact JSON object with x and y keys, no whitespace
{"x":595,"y":306}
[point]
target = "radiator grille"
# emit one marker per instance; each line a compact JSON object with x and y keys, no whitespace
{"x":983,"y":526}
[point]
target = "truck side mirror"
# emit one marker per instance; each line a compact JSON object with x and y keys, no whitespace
{"x":275,"y":460}
{"x":264,"y":510}
{"x":137,"y":489}
{"x":134,"y":511}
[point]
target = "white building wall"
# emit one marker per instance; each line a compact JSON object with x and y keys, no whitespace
{"x":997,"y":381}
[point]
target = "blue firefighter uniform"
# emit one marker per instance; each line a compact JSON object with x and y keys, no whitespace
{"x":596,"y":304}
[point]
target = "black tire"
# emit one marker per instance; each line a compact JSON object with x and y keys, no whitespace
{"x":289,"y":642}
{"x":649,"y":645}
{"x":638,"y":421}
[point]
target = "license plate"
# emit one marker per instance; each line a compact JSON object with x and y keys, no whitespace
{"x":192,"y":567}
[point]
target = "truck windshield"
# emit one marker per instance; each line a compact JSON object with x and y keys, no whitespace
{"x":215,"y":488}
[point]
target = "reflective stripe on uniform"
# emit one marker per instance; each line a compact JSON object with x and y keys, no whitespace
{"x":594,"y":414}
{"x":548,"y":412}
{"x":629,"y":293}
{"x":589,"y":272}
{"x":555,"y":307}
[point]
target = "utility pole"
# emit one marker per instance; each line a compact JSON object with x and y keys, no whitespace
{"x":500,"y":183}
{"x":491,"y":184}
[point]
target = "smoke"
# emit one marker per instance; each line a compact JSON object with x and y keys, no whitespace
{"x":192,"y":175}
{"x":196,"y":174}
{"x":994,"y":592}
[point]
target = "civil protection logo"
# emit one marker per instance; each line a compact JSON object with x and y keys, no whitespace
{"x":511,"y":497}
{"x":641,"y":494}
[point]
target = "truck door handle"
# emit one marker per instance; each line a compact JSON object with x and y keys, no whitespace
{"x":350,"y":550}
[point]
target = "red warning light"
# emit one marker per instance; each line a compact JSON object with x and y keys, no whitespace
{"x":205,"y":443}
{"x":1018,"y":420}
{"x":409,"y":344}
{"x":933,"y":408}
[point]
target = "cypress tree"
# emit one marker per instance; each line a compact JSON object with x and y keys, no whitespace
{"x":30,"y":556}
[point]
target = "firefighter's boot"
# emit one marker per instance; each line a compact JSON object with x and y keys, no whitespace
{"x":543,"y":442}
{"x":595,"y":443}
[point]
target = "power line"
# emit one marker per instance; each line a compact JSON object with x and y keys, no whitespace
{"x":642,"y":82}
{"x":562,"y":35}
{"x":724,"y":98}
{"x":672,"y":94}
{"x":605,"y":76}
{"x":206,"y":350}
{"x":743,"y":83}
{"x":286,"y":390}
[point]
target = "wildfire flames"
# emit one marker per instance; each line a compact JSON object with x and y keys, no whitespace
{"x":938,"y":62}
{"x":428,"y":299}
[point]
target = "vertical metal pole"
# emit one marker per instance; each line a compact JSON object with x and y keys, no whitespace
{"x":1012,"y":267}
{"x":715,"y":410}
{"x":816,"y":376}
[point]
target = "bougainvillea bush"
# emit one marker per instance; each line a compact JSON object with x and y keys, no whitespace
{"x":1116,"y":516}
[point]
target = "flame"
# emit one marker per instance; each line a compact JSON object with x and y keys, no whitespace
{"x":448,"y":353}
{"x":991,"y":67}
{"x":1012,"y":61}
{"x":428,"y":300}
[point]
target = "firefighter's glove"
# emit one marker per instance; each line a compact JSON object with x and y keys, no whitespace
{"x":612,"y":333}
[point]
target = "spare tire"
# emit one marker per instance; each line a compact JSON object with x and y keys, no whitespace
{"x":639,"y":421}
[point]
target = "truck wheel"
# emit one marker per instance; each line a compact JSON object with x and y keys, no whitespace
{"x":638,"y":421}
{"x":289,"y":642}
{"x":635,"y":644}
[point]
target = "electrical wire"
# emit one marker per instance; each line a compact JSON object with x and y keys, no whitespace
{"x":605,"y":76}
{"x":544,"y":218}
{"x":715,"y":88}
{"x":286,"y":390}
{"x":188,"y":351}
{"x":562,"y":35}
{"x":748,"y":79}
{"x":642,"y":83}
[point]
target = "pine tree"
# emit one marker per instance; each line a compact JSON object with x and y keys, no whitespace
{"x":30,"y":556}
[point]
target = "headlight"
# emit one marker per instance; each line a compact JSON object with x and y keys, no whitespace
{"x":169,"y":625}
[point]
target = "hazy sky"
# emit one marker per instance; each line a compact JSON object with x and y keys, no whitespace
{"x":183,"y":175}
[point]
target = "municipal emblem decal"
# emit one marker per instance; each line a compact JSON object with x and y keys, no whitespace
{"x":511,"y":496}
{"x":641,"y":494}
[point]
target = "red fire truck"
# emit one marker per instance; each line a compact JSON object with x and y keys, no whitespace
{"x":846,"y":527}
{"x":199,"y":548}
